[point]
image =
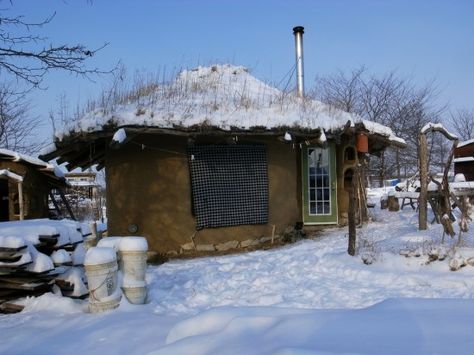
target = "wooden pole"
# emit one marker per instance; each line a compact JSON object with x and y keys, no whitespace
{"x":351,"y":248}
{"x":20,"y":200}
{"x":422,"y":200}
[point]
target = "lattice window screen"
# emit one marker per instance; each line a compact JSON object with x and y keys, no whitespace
{"x":229,"y":184}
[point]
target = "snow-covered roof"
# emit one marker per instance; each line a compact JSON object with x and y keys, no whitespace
{"x":10,"y":175}
{"x":225,"y":97}
{"x":462,"y":144}
{"x":463,"y":159}
{"x":42,"y":165}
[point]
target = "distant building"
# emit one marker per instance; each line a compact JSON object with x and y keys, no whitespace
{"x":84,"y":182}
{"x":84,"y":195}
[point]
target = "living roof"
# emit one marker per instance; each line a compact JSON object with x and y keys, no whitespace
{"x":215,"y":100}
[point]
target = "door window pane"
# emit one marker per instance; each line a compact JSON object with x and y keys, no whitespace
{"x":319,"y":192}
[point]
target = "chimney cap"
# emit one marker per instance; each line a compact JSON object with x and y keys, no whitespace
{"x":299,"y":29}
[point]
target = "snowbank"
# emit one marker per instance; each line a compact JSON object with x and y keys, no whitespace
{"x":308,"y":297}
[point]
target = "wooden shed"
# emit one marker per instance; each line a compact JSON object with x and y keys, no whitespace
{"x":25,"y":183}
{"x":464,"y":159}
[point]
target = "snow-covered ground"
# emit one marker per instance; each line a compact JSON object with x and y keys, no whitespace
{"x":305,"y":298}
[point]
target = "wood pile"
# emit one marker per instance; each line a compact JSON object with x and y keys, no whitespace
{"x":51,"y":264}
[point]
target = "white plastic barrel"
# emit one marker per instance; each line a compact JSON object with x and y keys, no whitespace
{"x":135,"y":292}
{"x":101,"y":270}
{"x":133,"y":256}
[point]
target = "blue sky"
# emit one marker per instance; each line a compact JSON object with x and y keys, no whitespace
{"x":423,"y":39}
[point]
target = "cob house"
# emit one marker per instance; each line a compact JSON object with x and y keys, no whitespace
{"x":218,"y":160}
{"x":25,"y":184}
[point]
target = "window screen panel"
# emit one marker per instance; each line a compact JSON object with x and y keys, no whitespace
{"x":229,"y":185}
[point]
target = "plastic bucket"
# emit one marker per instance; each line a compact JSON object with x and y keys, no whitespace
{"x":102,"y":280}
{"x":108,"y":304}
{"x":133,"y":264}
{"x":135,"y":295}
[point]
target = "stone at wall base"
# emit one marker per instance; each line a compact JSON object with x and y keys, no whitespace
{"x":233,"y":244}
{"x":205,"y":247}
{"x":249,"y":243}
{"x":187,"y":246}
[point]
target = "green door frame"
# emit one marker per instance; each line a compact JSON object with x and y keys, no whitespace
{"x":322,"y":218}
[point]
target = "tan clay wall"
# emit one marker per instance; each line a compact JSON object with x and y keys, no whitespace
{"x":35,"y":191}
{"x":151,"y":188}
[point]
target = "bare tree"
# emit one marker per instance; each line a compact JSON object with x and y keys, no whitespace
{"x":462,"y":122}
{"x":28,"y":57}
{"x":341,"y":90}
{"x":25,"y":59}
{"x":388,"y":99}
{"x":17,"y":127}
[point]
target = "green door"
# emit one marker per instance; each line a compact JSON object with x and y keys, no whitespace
{"x":319,"y":185}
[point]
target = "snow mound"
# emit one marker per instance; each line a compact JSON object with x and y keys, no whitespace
{"x":52,"y":303}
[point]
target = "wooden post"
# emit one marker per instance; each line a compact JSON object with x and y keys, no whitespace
{"x":20,"y":200}
{"x":361,"y":182}
{"x":351,"y":248}
{"x":422,"y":200}
{"x":393,"y":204}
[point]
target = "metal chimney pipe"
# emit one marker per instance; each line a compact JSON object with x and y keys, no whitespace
{"x":298,"y":32}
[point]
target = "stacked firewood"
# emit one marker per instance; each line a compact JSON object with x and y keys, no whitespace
{"x":51,"y":263}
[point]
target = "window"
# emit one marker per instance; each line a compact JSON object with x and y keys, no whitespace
{"x":229,"y":185}
{"x":319,"y":181}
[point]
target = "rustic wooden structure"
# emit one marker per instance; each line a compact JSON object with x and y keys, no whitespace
{"x":445,"y":208}
{"x":25,"y":184}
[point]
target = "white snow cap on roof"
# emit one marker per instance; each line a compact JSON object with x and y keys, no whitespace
{"x":225,"y":97}
{"x":18,"y":157}
{"x":9,"y":174}
{"x":462,"y":144}
{"x":463,"y":159}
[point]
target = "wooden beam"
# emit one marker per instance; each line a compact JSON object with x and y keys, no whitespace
{"x":20,"y":200}
{"x":66,"y":203}
{"x":55,"y":204}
